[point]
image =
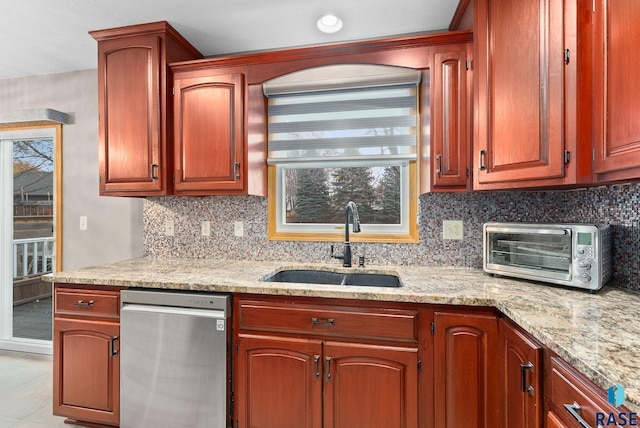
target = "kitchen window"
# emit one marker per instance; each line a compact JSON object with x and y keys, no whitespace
{"x":349,"y":135}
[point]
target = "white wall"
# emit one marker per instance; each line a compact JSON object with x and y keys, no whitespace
{"x":115,"y":228}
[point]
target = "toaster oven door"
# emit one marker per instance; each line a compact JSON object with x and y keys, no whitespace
{"x":535,"y":253}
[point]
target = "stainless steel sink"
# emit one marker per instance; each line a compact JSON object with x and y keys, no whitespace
{"x":309,"y":276}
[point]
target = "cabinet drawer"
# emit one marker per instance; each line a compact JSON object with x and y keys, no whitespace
{"x":94,"y":303}
{"x":569,"y":387}
{"x":329,"y":321}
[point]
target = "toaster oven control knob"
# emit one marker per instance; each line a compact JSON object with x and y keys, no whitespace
{"x":584,"y":264}
{"x":580,"y":251}
{"x":584,"y":277}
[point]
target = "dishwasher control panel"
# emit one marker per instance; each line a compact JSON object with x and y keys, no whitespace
{"x":181,"y":299}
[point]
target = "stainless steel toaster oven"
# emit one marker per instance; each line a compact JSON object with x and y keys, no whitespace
{"x":574,"y":255}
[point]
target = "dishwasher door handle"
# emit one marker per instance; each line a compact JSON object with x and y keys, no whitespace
{"x":206,"y":313}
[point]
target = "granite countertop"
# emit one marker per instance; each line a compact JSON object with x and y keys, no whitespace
{"x":599,"y":334}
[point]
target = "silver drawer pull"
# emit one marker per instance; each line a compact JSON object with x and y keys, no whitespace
{"x":575,"y":410}
{"x":82,"y":304}
{"x":316,"y":368}
{"x":318,"y":321}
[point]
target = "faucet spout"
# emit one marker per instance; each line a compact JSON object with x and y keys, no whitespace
{"x":355,"y":218}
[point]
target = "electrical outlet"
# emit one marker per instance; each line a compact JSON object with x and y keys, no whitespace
{"x":169,"y":228}
{"x":84,"y":223}
{"x":238,"y":228}
{"x":205,"y":228}
{"x":452,"y":229}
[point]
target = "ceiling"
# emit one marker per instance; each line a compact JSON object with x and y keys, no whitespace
{"x":45,"y":36}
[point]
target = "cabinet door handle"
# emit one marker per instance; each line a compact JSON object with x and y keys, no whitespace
{"x":575,"y":409}
{"x":154,"y":169}
{"x":438,"y":164}
{"x":316,"y":365}
{"x":523,"y":377}
{"x":112,"y":345}
{"x":327,"y":367}
{"x":483,"y":153}
{"x":236,"y":170}
{"x":83,"y":304}
{"x":318,"y":321}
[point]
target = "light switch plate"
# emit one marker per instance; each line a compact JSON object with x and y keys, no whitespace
{"x":452,"y":229}
{"x":84,"y":222}
{"x":169,"y":228}
{"x":238,"y":228}
{"x":205,"y":228}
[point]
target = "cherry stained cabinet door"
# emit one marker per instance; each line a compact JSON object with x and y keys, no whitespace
{"x":129,"y":97}
{"x":521,"y":378}
{"x":279,"y":382}
{"x":135,"y":121}
{"x":451,"y":118}
{"x":519,"y":93}
{"x":209,"y":134}
{"x":86,"y":383}
{"x":466,"y":370}
{"x":617,"y":90}
{"x":370,"y":386}
{"x":553,"y":421}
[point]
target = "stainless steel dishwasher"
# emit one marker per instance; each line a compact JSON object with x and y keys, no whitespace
{"x":174,"y":358}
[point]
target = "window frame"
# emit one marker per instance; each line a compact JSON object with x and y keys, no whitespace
{"x":411,"y":235}
{"x":336,"y":78}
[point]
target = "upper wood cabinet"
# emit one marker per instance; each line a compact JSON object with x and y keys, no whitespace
{"x":451,"y":118}
{"x":209,"y":133}
{"x":531,"y":84}
{"x":616,"y":90}
{"x":134,"y":133}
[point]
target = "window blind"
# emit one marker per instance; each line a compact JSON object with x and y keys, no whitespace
{"x":377,"y":122}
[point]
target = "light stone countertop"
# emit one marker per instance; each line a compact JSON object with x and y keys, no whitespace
{"x":599,"y":334}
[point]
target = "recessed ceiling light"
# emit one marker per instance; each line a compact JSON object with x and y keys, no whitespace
{"x":329,"y":24}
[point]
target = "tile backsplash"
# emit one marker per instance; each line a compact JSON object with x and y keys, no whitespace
{"x":618,"y":205}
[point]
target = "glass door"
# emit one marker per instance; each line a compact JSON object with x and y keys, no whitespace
{"x":27,"y":239}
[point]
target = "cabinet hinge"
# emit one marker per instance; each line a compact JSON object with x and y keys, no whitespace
{"x":468,"y":64}
{"x":567,"y":156}
{"x":567,"y":56}
{"x":433,"y":328}
{"x":468,"y":171}
{"x":419,"y":366}
{"x":237,"y":347}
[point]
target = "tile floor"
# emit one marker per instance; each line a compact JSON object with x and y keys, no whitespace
{"x":26,"y":391}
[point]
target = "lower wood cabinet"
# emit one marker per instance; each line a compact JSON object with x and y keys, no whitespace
{"x":465,"y":369}
{"x":520,"y":377}
{"x":329,"y":377}
{"x":278,"y":382}
{"x":86,"y":364}
{"x":572,"y":400}
{"x":553,"y":421}
{"x":325,"y":363}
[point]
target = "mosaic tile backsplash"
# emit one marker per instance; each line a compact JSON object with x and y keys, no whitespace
{"x":618,"y":205}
